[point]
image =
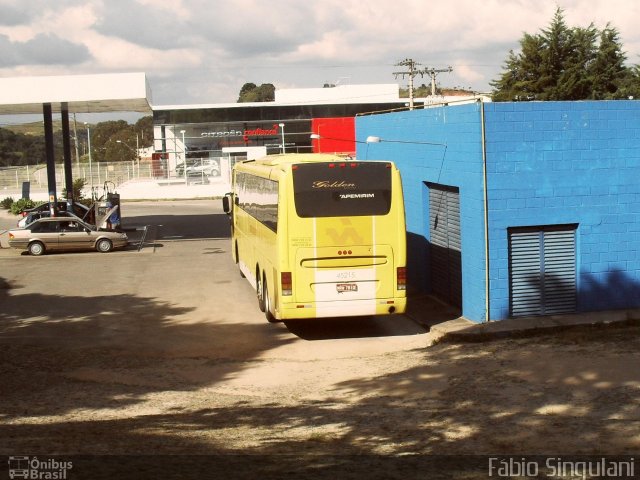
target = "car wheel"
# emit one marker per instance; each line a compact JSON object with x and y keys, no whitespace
{"x":36,"y":248}
{"x":104,"y":245}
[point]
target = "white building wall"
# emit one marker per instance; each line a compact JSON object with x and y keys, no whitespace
{"x":339,"y":94}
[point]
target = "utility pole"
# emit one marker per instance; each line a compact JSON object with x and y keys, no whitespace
{"x":432,"y":73}
{"x":413,"y":70}
{"x":411,"y":65}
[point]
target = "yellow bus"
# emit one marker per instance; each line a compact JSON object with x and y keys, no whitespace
{"x":319,"y":235}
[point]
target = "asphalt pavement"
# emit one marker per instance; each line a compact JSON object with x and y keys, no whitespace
{"x":157,"y":222}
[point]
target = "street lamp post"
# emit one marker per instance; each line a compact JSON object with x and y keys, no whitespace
{"x":184,"y":156}
{"x":89,"y":150}
{"x":136,"y":151}
{"x":281,"y":125}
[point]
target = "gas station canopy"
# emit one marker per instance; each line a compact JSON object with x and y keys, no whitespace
{"x":111,"y":92}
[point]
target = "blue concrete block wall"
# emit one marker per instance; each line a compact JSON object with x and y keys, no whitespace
{"x":548,"y":163}
{"x":562,"y":163}
{"x":440,"y":145}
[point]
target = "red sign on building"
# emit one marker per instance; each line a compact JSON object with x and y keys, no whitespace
{"x":337,"y":135}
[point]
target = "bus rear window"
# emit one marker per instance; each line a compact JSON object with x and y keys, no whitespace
{"x":342,"y":189}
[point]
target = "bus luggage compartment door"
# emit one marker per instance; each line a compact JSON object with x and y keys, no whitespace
{"x":335,"y":274}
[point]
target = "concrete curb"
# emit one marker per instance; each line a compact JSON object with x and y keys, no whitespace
{"x":457,"y":332}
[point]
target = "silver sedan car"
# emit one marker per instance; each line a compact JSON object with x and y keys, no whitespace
{"x":64,"y":234}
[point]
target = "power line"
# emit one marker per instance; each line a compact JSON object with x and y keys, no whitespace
{"x":413,"y":71}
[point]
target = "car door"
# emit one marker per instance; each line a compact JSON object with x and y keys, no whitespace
{"x":73,"y":236}
{"x":46,"y":232}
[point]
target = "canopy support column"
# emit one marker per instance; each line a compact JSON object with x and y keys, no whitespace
{"x":66,"y":143}
{"x":50,"y":155}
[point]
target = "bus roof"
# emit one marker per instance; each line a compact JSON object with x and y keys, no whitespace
{"x":291,"y":158}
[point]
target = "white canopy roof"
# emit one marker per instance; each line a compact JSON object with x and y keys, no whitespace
{"x":111,"y":92}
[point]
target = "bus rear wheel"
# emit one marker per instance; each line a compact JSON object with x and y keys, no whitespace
{"x":260,"y":291}
{"x":267,"y":303}
{"x":238,"y":261}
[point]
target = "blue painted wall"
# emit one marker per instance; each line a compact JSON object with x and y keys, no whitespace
{"x":547,"y":163}
{"x":439,"y":145}
{"x":561,"y":163}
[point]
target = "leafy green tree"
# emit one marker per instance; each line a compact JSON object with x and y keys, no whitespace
{"x":110,"y":141}
{"x":252,"y":93}
{"x":143,"y":130}
{"x":562,"y":63}
{"x":22,"y":204}
{"x":18,"y":149}
{"x":78,"y":186}
{"x":245,"y":90}
{"x":116,"y":141}
{"x":102,"y":135}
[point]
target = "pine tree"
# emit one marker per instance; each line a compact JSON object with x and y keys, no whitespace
{"x":608,"y":70}
{"x":562,"y":63}
{"x":575,"y":82}
{"x":520,"y":79}
{"x":556,"y":49}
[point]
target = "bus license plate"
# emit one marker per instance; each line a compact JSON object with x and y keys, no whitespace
{"x":347,"y":287}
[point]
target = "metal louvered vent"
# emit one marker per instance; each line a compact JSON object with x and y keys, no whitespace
{"x":445,"y":244}
{"x":542,"y":264}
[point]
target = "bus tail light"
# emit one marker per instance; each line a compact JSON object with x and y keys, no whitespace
{"x":401,"y":275}
{"x":286,"y":285}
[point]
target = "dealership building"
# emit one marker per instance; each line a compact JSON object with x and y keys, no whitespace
{"x":229,"y":132}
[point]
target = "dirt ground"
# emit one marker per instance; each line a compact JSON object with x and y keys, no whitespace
{"x":577,"y":392}
{"x":146,"y":370}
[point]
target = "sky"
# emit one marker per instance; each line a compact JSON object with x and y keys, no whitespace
{"x":203,"y":51}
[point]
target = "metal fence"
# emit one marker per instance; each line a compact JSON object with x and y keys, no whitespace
{"x":12,"y":178}
{"x":198,"y":171}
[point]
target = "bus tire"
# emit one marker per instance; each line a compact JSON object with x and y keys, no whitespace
{"x":267,"y":303}
{"x":238,"y":261}
{"x":260,"y":290}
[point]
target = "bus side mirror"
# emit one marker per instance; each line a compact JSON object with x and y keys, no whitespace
{"x":226,"y":203}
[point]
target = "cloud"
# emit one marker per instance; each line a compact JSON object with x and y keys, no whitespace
{"x":43,"y":49}
{"x":144,"y":25}
{"x":227,"y":29}
{"x":12,"y":15}
{"x":25,"y":12}
{"x":257,"y":29}
{"x":202,"y":51}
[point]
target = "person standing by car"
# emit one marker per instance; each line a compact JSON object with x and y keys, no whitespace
{"x":113,"y":222}
{"x":114,"y":219}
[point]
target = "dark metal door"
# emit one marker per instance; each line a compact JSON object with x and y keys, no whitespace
{"x":445,"y":245}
